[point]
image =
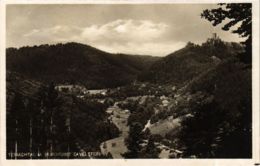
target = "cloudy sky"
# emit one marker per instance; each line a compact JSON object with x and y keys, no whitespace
{"x":150,"y":29}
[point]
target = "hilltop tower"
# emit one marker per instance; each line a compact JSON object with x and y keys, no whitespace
{"x":214,"y":39}
{"x":215,"y":36}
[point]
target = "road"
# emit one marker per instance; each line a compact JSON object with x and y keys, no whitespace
{"x":117,"y":145}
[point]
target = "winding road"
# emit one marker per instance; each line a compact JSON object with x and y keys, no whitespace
{"x":117,"y":145}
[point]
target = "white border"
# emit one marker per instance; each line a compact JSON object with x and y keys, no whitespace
{"x":122,"y":1}
{"x":119,"y":162}
{"x":255,"y":83}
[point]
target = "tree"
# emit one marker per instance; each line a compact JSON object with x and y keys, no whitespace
{"x":109,"y":155}
{"x":15,"y":125}
{"x":150,"y":151}
{"x":235,"y":135}
{"x":198,"y":132}
{"x":133,"y":141}
{"x":50,"y":118}
{"x":238,"y":15}
{"x":32,"y":114}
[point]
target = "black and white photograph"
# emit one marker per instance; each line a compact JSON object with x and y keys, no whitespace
{"x":129,"y":81}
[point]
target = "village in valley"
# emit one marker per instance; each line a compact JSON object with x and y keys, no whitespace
{"x":119,"y":115}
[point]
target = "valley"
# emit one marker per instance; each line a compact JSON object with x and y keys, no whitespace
{"x":72,"y":98}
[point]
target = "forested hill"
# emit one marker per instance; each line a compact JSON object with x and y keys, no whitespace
{"x":76,"y":63}
{"x":187,"y":63}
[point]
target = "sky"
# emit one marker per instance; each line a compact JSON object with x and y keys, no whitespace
{"x":144,"y":29}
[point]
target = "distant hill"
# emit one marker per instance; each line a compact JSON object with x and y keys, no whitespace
{"x":185,"y":64}
{"x":76,"y":63}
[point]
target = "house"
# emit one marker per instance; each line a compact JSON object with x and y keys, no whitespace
{"x":64,"y":88}
{"x":165,"y":103}
{"x":71,"y":88}
{"x":98,"y":91}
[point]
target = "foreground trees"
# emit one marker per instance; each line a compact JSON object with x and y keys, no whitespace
{"x":35,"y":124}
{"x":221,"y":126}
{"x":217,"y":133}
{"x":16,"y":125}
{"x":46,"y":125}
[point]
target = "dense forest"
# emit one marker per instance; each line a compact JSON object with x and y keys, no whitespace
{"x":190,"y":61}
{"x":46,"y":123}
{"x":76,"y":63}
